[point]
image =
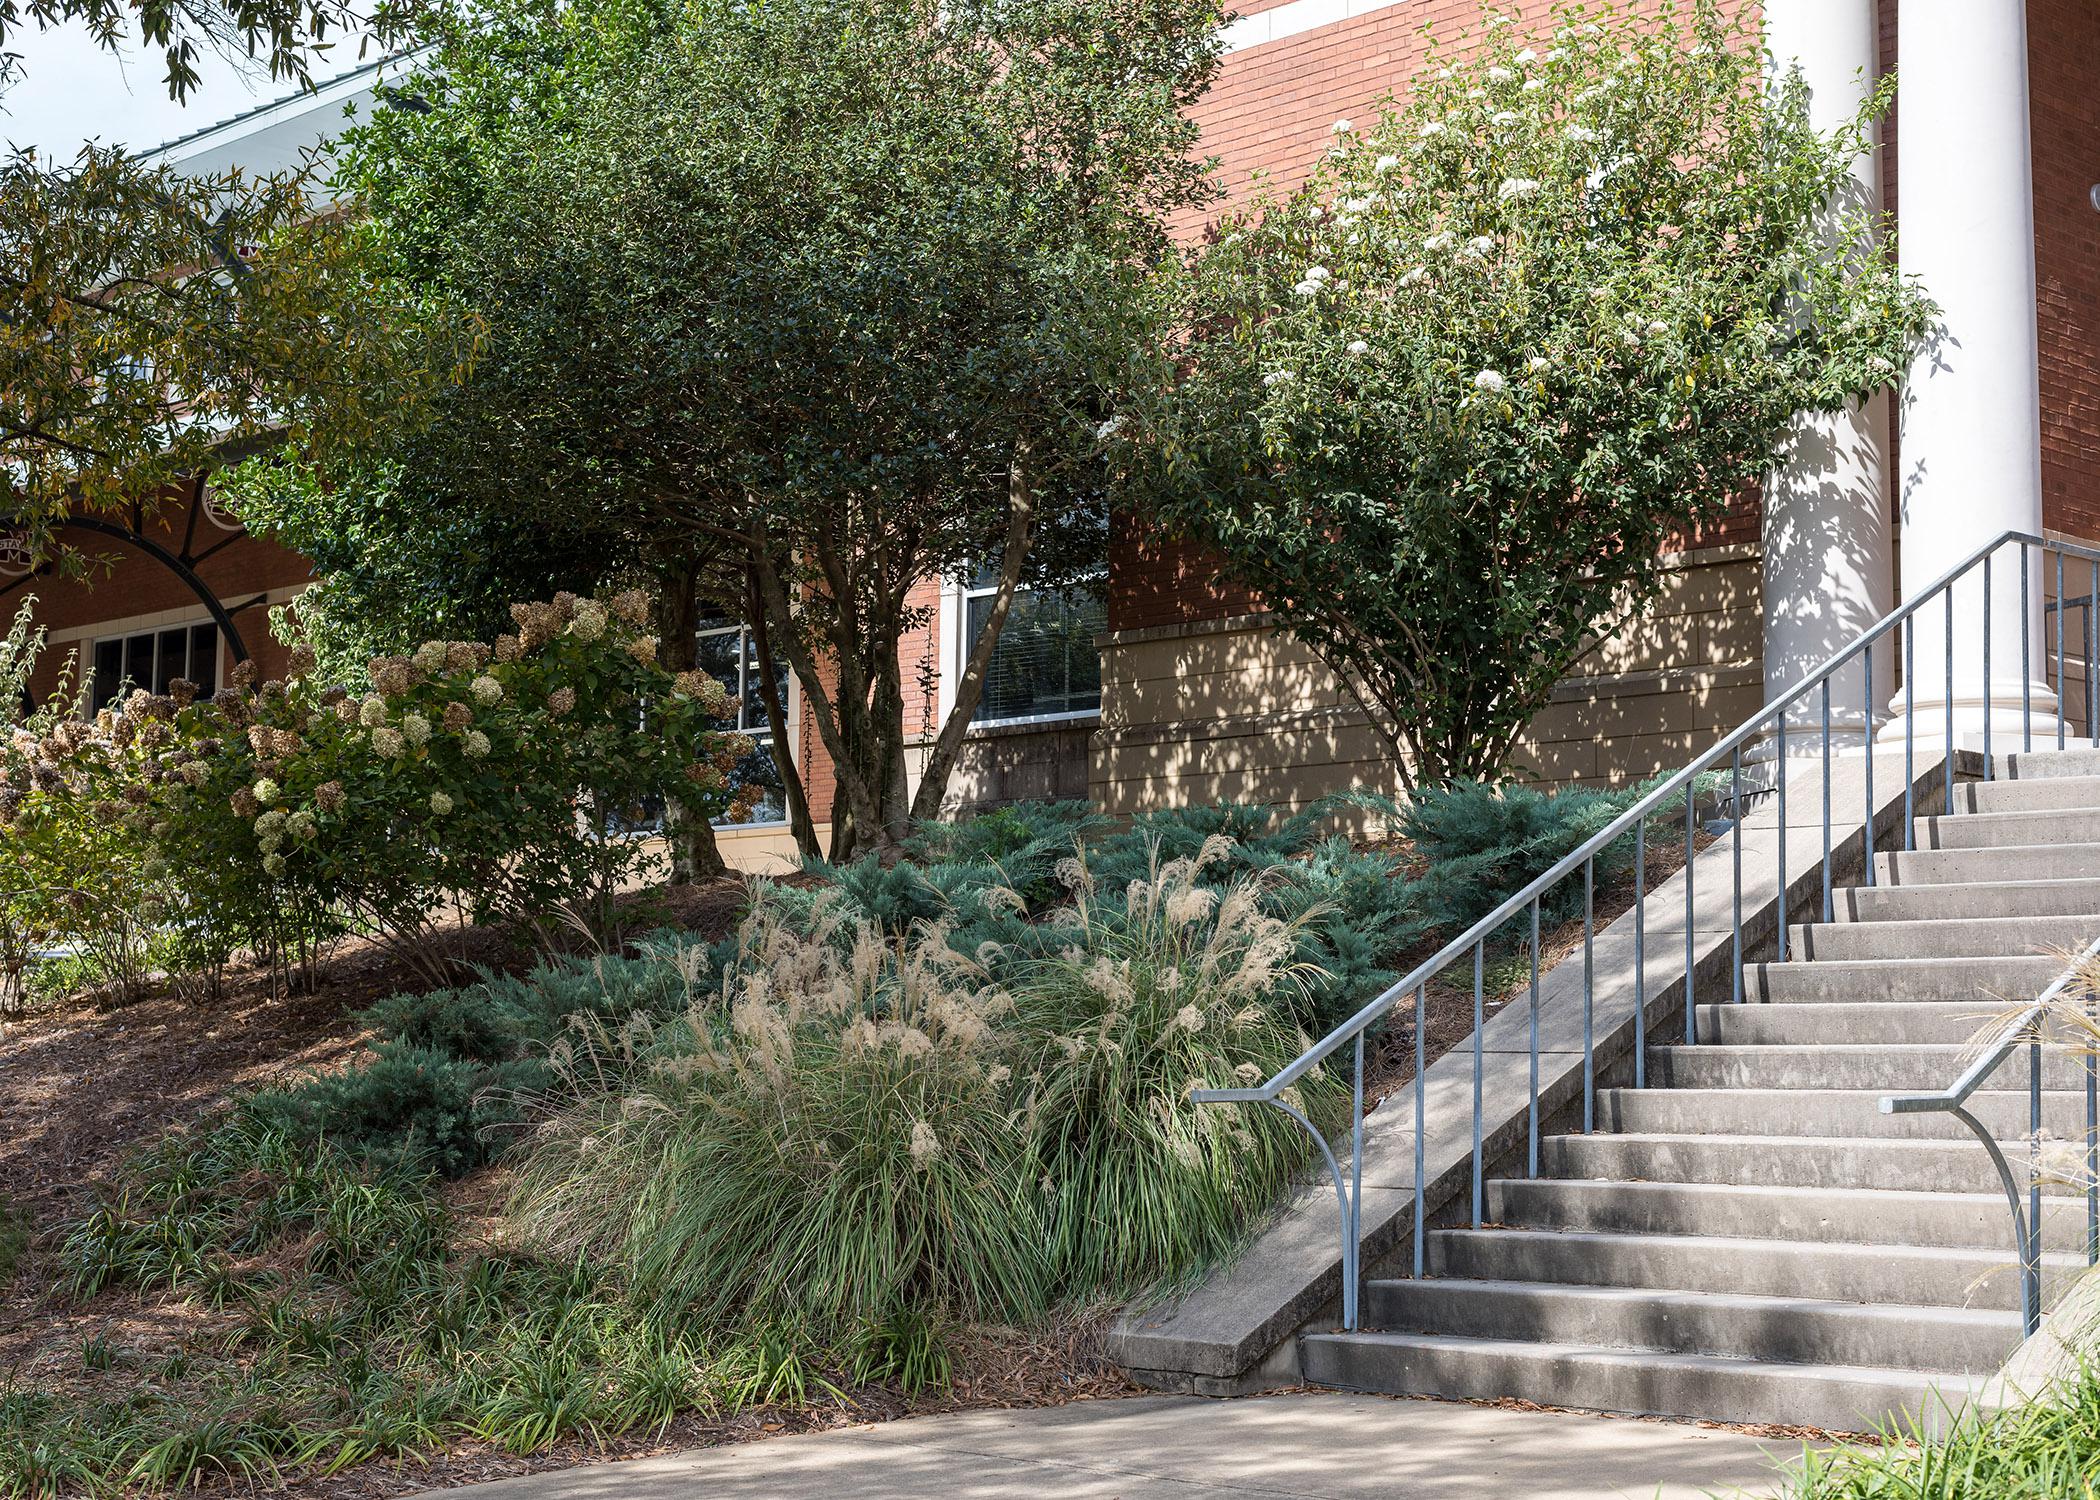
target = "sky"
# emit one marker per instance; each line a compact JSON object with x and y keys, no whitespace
{"x":71,"y":91}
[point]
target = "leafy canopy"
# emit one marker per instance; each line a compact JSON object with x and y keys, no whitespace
{"x":794,"y":307}
{"x":155,"y":322}
{"x":1444,"y":405}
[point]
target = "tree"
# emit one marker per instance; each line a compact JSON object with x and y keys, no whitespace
{"x":1443,"y":406}
{"x":795,"y":307}
{"x":156,"y":323}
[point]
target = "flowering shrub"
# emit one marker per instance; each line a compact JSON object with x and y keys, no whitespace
{"x":477,"y":780}
{"x":1444,"y":407}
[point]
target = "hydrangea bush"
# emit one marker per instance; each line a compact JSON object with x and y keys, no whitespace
{"x":1444,"y":405}
{"x":492,"y":782}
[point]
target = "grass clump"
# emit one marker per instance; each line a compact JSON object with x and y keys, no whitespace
{"x":2044,"y":1450}
{"x":872,"y":1129}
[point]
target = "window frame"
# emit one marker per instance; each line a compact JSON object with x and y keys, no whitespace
{"x":89,"y":645}
{"x":956,"y":641}
{"x":762,"y":739}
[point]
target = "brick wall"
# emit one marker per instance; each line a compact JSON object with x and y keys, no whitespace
{"x":125,"y":590}
{"x":2064,"y":77}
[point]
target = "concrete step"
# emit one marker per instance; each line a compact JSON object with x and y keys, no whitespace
{"x":1846,"y":1113}
{"x":1975,"y":981}
{"x":1928,"y":1166}
{"x":1846,"y":1065}
{"x":2046,"y":764}
{"x":2020,"y":936}
{"x":2010,"y":830}
{"x":1974,"y":866}
{"x":1921,"y":1275}
{"x":1836,"y":1399}
{"x":1791,"y":1330}
{"x":2020,"y":796}
{"x":1933,"y":1023}
{"x":1934,"y":903}
{"x":1849,"y":1215}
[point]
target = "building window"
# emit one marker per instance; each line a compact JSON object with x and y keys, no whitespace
{"x":152,"y":659}
{"x":1045,"y":665}
{"x":728,"y":655}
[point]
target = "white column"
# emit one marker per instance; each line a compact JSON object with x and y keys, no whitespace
{"x":1826,"y":532}
{"x":1971,"y":446}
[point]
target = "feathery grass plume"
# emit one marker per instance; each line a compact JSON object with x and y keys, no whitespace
{"x":1176,"y":986}
{"x":831,"y":1140}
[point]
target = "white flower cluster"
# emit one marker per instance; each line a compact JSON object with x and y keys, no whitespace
{"x":1313,"y":282}
{"x":486,"y":690}
{"x":1489,"y":382}
{"x":1517,"y":189}
{"x":440,"y":804}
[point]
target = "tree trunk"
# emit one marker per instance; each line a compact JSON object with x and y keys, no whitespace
{"x":969,"y":688}
{"x":792,"y":791}
{"x":694,"y":853}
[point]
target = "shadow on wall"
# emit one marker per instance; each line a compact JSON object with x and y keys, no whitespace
{"x":1234,"y":710}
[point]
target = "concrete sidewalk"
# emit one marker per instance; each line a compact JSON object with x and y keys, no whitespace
{"x":1316,"y":1446}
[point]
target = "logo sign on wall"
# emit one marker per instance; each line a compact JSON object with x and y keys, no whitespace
{"x":16,"y":560}
{"x":218,"y":512}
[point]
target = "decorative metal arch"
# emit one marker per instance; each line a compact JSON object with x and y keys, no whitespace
{"x":183,"y":562}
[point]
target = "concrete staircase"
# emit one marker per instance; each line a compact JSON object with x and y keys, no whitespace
{"x":1749,"y":1239}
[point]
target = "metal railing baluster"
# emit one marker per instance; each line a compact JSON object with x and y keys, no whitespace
{"x":1533,"y":1110}
{"x":1910,"y":730}
{"x":1735,"y":839}
{"x":1691,"y":1000}
{"x":1867,"y":753}
{"x":1989,"y":770}
{"x":2026,"y":660}
{"x":1826,"y":800}
{"x":1640,"y":958}
{"x":1421,"y":1094}
{"x":2062,"y":688}
{"x":2033,"y":1248}
{"x":1589,"y":997}
{"x":1947,"y":770}
{"x":1479,"y":1064}
{"x":1351,"y":1281}
{"x":1785,"y":906}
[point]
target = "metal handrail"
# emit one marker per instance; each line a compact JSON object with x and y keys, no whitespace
{"x":2022,"y":1030}
{"x":1662,"y":799}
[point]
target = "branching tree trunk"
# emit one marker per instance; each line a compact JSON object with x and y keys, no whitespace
{"x":793,"y":793}
{"x":969,"y":687}
{"x":694,"y":853}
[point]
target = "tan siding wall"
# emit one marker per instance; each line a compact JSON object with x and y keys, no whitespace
{"x":1235,"y":710}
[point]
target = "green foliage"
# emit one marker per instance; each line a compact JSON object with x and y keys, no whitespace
{"x":875,"y":1129}
{"x":791,"y":308}
{"x":1483,"y":844}
{"x":124,"y":380}
{"x":2042,"y":1450}
{"x":14,"y":1239}
{"x":1444,"y":406}
{"x":481,"y":781}
{"x":453,"y":1071}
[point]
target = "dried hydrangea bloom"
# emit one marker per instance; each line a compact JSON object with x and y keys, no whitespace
{"x":509,"y":648}
{"x":329,"y":796}
{"x":466,"y":656}
{"x":588,"y":620}
{"x":302,"y":661}
{"x":242,"y":675}
{"x":244,"y":804}
{"x":372,"y":711}
{"x":486,"y":690}
{"x":561,"y":701}
{"x":643,"y":649}
{"x":477,"y":745}
{"x":392,"y":675}
{"x":416,"y":728}
{"x":183,"y":691}
{"x":631,"y":606}
{"x":457,"y":716}
{"x":429,"y":657}
{"x":388,"y":741}
{"x":440,"y":804}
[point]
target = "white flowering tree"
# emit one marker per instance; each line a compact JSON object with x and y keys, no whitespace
{"x":1444,"y":406}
